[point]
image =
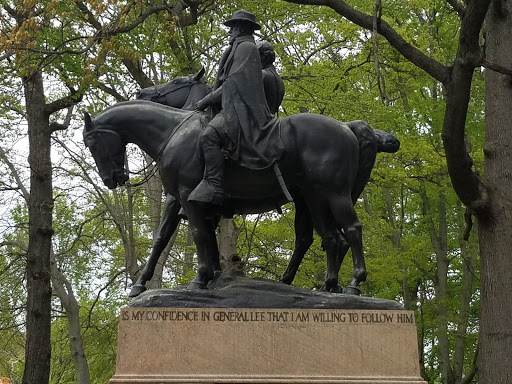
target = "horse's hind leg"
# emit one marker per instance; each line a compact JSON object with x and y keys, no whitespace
{"x":303,"y":238}
{"x":346,"y":217}
{"x":326,"y":227}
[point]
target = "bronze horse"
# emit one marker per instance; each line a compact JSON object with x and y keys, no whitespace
{"x":182,"y":93}
{"x":320,"y":166}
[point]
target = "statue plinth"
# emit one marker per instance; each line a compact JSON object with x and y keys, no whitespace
{"x":236,"y":345}
{"x":257,"y":331}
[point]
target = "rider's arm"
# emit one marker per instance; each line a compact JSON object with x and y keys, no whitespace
{"x":211,"y":99}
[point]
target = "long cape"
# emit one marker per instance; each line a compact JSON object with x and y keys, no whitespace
{"x":253,"y":133}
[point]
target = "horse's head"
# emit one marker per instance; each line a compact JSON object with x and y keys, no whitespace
{"x":386,"y":142}
{"x":108,"y":150}
{"x":181,"y":92}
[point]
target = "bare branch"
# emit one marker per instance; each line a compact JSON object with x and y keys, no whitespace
{"x":55,"y":126}
{"x":64,"y":102}
{"x":469,"y":51}
{"x":109,"y":283}
{"x":466,"y":183}
{"x":7,"y":55}
{"x":15,"y":174}
{"x":15,"y":243}
{"x":139,"y":20}
{"x":321,"y":48}
{"x":14,"y":13}
{"x":112,"y":92}
{"x":137,"y":73}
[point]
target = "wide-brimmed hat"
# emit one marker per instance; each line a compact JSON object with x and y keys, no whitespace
{"x":244,"y":16}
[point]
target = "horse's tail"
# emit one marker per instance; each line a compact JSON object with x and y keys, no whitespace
{"x":370,"y":143}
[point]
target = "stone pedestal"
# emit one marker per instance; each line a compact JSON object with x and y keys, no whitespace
{"x":253,"y":345}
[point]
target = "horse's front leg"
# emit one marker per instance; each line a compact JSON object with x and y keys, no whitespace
{"x":326,"y":227}
{"x":170,"y":221}
{"x":202,"y":224}
{"x":303,"y":238}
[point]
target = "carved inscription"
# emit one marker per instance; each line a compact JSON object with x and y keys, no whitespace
{"x":269,"y":316}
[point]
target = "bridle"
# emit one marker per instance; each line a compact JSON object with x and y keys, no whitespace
{"x":104,"y":149}
{"x":160,"y":92}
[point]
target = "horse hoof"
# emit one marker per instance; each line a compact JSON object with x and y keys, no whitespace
{"x":352,"y":290}
{"x":136,"y":290}
{"x":335,"y":289}
{"x":285,"y":279}
{"x":331,"y":289}
{"x":196,"y":285}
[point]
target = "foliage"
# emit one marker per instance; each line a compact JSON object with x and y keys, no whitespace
{"x":330,"y":67}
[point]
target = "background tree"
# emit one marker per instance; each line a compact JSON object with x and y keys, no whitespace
{"x":40,"y":42}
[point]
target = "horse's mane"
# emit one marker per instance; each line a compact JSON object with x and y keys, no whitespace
{"x":146,"y":103}
{"x":154,"y":107}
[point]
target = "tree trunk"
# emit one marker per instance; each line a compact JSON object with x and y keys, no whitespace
{"x":468,"y":276}
{"x":40,"y":206}
{"x":495,"y":354}
{"x":228,"y":236}
{"x":188,"y":257}
{"x":157,"y":279}
{"x":67,"y":297}
{"x":153,"y":189}
{"x":124,"y":218}
{"x":439,"y":243}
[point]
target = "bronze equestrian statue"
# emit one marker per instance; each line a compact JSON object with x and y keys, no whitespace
{"x":321,"y":160}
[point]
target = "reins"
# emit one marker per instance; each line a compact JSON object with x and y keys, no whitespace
{"x":161,"y":92}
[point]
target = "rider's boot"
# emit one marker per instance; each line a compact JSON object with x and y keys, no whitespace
{"x":211,"y":188}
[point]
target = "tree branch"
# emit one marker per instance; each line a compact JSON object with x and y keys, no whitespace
{"x":474,"y":369}
{"x":64,"y":102}
{"x":413,"y":54}
{"x":496,"y":67}
{"x":55,"y":126}
{"x":90,"y":16}
{"x":15,"y":174}
{"x":119,"y":273}
{"x":111,"y":91}
{"x":457,"y":7}
{"x":466,"y":183}
{"x":15,"y":243}
{"x":321,"y":48}
{"x":139,"y":20}
{"x":137,"y":73}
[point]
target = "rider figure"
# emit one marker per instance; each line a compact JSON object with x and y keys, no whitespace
{"x":244,"y":128}
{"x":272,"y":82}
